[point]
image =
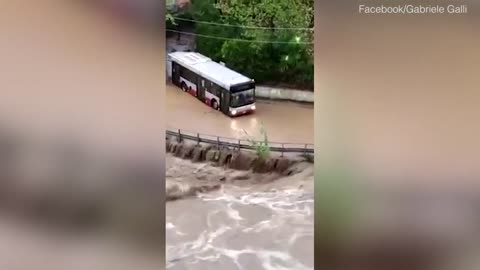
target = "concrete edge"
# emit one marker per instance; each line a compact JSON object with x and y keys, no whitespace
{"x":233,"y":158}
{"x":272,"y":93}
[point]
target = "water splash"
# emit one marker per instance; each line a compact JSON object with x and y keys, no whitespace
{"x":230,"y":235}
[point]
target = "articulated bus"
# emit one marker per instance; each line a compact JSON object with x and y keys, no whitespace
{"x":212,"y":83}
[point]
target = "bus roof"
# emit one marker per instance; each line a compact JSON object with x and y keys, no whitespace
{"x":209,"y":69}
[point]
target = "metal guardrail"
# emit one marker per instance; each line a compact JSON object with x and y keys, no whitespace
{"x":181,"y":135}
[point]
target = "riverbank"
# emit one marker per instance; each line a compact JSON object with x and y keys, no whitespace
{"x":185,"y":179}
{"x":241,"y":160}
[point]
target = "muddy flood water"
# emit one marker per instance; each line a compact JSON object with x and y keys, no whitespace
{"x":183,"y":112}
{"x":245,"y":221}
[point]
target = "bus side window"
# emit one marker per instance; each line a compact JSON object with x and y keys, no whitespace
{"x":212,"y":88}
{"x":215,"y":91}
{"x":203,"y":83}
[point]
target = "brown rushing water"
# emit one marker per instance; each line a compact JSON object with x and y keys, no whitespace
{"x":251,"y":222}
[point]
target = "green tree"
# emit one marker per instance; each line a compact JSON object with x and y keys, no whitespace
{"x":262,"y":148}
{"x":270,"y":62}
{"x":169,"y":17}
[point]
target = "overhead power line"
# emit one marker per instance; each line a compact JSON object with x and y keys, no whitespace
{"x":239,"y":40}
{"x":244,"y":26}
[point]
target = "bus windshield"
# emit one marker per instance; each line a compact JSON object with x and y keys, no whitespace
{"x":242,"y":98}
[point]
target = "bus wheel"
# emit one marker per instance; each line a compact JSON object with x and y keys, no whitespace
{"x":184,"y":87}
{"x":215,"y":104}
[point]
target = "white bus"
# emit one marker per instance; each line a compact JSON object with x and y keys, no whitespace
{"x":212,"y":83}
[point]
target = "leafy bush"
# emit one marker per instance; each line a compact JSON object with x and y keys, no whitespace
{"x":269,"y":62}
{"x":262,"y":148}
{"x":309,"y":158}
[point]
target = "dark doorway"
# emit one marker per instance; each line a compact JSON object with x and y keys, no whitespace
{"x":201,"y":83}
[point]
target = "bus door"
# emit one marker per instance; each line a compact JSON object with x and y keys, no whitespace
{"x":175,"y":73}
{"x":201,"y":85}
{"x":225,"y":102}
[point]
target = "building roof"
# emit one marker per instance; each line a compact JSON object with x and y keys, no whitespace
{"x":209,"y":69}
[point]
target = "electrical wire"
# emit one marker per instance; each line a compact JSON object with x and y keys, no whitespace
{"x":244,"y":26}
{"x":239,"y":40}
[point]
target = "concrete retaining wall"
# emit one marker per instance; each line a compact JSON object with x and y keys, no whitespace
{"x":233,"y":159}
{"x":284,"y":94}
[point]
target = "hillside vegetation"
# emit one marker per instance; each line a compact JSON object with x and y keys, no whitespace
{"x":256,"y":37}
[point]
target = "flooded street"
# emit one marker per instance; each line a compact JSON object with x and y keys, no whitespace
{"x":284,"y":121}
{"x":251,"y":222}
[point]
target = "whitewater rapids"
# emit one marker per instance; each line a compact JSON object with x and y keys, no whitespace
{"x":218,"y":218}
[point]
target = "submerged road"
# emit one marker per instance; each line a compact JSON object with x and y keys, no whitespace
{"x":283,"y":121}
